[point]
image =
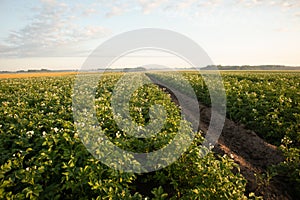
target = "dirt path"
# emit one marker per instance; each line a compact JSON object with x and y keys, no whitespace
{"x":244,"y":146}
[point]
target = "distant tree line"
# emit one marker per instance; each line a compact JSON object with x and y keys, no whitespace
{"x":249,"y":67}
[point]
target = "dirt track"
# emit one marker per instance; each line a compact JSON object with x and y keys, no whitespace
{"x":245,"y":147}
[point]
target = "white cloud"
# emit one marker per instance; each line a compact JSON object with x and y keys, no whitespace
{"x":115,"y":10}
{"x":280,"y":3}
{"x":250,"y":3}
{"x":148,"y":6}
{"x":6,"y":50}
{"x":211,"y":3}
{"x":89,"y":11}
{"x":52,"y":28}
{"x":185,"y":4}
{"x":49,"y":2}
{"x":57,"y":25}
{"x":180,"y":5}
{"x":282,"y":29}
{"x":291,"y":3}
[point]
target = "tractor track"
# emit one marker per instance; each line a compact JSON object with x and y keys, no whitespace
{"x":244,"y":146}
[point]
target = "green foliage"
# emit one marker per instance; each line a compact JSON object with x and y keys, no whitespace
{"x":290,"y":168}
{"x":196,"y":176}
{"x":269,"y":104}
{"x":42,"y":156}
{"x":159,"y":194}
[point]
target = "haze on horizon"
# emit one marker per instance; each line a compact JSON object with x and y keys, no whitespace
{"x":56,"y":34}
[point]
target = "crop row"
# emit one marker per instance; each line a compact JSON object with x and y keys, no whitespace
{"x":43,"y":155}
{"x":268,"y":103}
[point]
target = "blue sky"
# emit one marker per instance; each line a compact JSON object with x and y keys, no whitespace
{"x":61,"y":34}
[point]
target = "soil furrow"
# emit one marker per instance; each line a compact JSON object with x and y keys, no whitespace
{"x":244,"y":146}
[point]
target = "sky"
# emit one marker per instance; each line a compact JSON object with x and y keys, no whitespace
{"x":54,"y":34}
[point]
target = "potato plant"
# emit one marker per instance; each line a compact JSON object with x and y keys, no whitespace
{"x":42,"y":156}
{"x":269,"y":104}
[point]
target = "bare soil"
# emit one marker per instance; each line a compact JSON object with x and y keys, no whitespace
{"x":253,"y":155}
{"x":247,"y":149}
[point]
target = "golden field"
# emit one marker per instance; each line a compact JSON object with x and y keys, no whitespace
{"x":38,"y":74}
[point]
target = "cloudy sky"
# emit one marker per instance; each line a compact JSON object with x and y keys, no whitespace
{"x":61,"y":34}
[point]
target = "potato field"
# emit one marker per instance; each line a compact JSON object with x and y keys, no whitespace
{"x":43,"y":155}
